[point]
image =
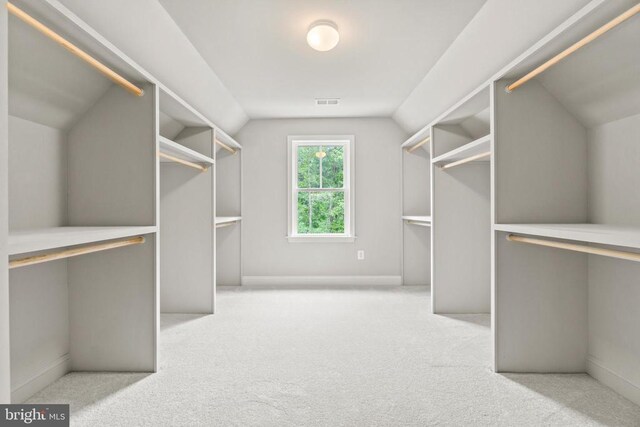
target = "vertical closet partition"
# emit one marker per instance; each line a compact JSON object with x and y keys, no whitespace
{"x":81,"y":211}
{"x":461,"y":188}
{"x":228,"y":218}
{"x":186,"y":183}
{"x":416,"y":209}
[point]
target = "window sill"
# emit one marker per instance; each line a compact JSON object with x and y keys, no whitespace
{"x":321,"y":239}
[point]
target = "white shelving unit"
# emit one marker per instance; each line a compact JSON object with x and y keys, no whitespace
{"x":84,"y":156}
{"x":82,"y":164}
{"x":461,"y":210}
{"x":471,"y":150}
{"x":416,"y":200}
{"x":187,"y":192}
{"x":566,"y":149}
{"x":228,"y":218}
{"x":179,"y":151}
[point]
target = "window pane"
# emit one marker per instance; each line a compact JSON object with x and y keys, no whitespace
{"x":321,"y":213}
{"x":332,"y":167}
{"x":308,"y":167}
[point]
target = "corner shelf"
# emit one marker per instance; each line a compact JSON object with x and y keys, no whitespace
{"x":172,"y":148}
{"x":24,"y":241}
{"x":590,"y":233}
{"x":479,"y":146}
{"x":423,"y":221}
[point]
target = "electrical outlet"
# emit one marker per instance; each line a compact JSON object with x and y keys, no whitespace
{"x":360,"y":255}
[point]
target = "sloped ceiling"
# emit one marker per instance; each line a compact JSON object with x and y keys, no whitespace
{"x":144,"y":31}
{"x":259,"y":50}
{"x":500,"y":31}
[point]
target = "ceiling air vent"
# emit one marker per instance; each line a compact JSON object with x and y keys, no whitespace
{"x":327,"y":101}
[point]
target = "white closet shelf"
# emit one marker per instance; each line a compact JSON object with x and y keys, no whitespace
{"x":479,"y":146}
{"x":227,"y":219}
{"x":174,"y":149}
{"x":422,"y":221}
{"x":589,"y":233}
{"x":41,"y":239}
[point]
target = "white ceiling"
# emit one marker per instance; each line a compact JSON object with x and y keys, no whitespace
{"x":258,"y":50}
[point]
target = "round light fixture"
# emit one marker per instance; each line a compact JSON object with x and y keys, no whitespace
{"x":323,"y":35}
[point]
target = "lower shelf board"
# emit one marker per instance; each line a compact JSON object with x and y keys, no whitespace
{"x":33,"y":240}
{"x":590,"y":233}
{"x":424,"y":220}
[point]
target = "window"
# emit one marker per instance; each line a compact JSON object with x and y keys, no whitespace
{"x":321,"y":189}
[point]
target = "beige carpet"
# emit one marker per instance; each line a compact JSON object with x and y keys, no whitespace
{"x":332,"y":357}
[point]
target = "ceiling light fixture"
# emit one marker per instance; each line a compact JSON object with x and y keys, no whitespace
{"x":323,"y":35}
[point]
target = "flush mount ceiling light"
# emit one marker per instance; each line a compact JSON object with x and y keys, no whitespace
{"x":323,"y":35}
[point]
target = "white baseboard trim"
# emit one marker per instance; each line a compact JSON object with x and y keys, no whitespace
{"x":58,"y":368}
{"x":321,"y":280}
{"x":613,"y":380}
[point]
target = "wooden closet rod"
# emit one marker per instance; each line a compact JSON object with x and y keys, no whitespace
{"x":419,"y":144}
{"x":225,"y":146}
{"x":631,"y":256}
{"x":183,"y":162}
{"x":117,"y":78}
{"x":588,"y":39}
{"x":68,"y":253}
{"x":466,"y":160}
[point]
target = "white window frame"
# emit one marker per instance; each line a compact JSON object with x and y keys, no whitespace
{"x":346,"y":141}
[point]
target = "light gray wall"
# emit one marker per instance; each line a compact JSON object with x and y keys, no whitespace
{"x":614,"y":152}
{"x":266,"y":251}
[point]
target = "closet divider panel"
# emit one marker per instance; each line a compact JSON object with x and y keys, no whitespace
{"x":614,"y":294}
{"x":112,"y":165}
{"x":461,"y":230}
{"x":540,"y":294}
{"x":187,"y":230}
{"x":228,"y":204}
{"x":416,"y":201}
{"x":5,"y":350}
{"x":39,"y":317}
{"x":541,"y":158}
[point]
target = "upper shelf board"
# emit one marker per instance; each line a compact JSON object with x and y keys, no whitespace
{"x":41,"y":239}
{"x":227,"y":219}
{"x":424,"y":218}
{"x":421,"y":135}
{"x":590,"y":233}
{"x":177,"y":150}
{"x":473,"y":148}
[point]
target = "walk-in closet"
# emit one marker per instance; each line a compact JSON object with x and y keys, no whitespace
{"x":282,"y":212}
